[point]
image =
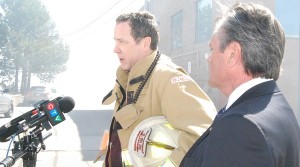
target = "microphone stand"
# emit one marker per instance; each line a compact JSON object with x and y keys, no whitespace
{"x":27,"y":148}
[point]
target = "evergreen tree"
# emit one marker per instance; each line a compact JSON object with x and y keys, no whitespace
{"x":33,"y":46}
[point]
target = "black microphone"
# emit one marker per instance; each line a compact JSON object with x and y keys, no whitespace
{"x":32,"y":114}
{"x":15,"y":124}
{"x":66,"y":104}
{"x":52,"y":111}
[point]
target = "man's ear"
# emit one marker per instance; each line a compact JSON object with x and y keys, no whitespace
{"x":234,"y":52}
{"x":146,"y":42}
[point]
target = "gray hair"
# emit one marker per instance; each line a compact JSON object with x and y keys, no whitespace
{"x":260,"y":35}
{"x":142,"y":25}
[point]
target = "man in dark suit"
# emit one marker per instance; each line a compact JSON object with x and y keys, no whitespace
{"x":257,"y":128}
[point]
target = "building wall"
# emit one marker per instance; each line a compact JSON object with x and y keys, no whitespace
{"x":289,"y":77}
{"x":191,"y":55}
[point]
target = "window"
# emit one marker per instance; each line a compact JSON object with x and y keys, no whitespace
{"x":176,"y":30}
{"x":203,"y":20}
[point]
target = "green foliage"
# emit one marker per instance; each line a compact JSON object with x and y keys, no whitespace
{"x":30,"y":42}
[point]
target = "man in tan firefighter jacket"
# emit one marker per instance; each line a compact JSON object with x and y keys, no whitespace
{"x":149,"y":84}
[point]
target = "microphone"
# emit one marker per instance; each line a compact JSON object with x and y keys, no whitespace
{"x":32,"y":114}
{"x":52,"y":112}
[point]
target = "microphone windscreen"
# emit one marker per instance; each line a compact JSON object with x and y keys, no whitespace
{"x":58,"y":98}
{"x":66,"y":104}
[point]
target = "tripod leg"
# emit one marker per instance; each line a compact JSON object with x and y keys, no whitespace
{"x":29,"y":160}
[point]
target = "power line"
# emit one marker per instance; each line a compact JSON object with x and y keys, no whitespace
{"x":93,"y":21}
{"x":98,"y":18}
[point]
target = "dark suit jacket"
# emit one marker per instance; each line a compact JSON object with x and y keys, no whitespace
{"x":258,"y":130}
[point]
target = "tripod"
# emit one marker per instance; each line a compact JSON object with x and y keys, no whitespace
{"x":27,"y":148}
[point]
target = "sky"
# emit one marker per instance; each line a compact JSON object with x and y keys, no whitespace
{"x":88,"y":27}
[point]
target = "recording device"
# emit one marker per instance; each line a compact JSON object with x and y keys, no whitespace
{"x":43,"y":113}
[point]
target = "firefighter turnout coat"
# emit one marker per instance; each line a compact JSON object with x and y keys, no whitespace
{"x":169,"y":92}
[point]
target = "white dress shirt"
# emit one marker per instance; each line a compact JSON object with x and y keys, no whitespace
{"x":242,"y":89}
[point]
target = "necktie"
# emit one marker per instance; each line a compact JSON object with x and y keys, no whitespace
{"x":219,"y":114}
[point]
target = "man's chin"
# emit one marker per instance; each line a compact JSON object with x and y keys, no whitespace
{"x":125,"y":68}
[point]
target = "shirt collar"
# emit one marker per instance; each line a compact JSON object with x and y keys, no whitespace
{"x":243,"y":88}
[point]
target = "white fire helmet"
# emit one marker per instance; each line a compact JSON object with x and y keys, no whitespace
{"x":152,"y":142}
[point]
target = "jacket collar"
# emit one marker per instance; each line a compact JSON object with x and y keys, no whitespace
{"x":262,"y":89}
{"x":268,"y":87}
{"x":137,"y":73}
